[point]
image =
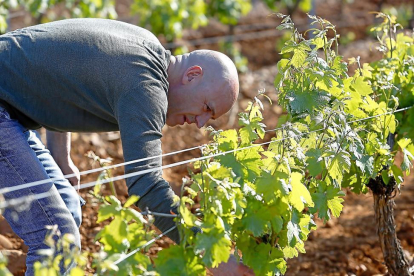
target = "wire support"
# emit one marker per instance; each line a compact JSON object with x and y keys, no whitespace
{"x":66,"y":176}
{"x":45,"y":181}
{"x":147,"y":212}
{"x":18,"y":201}
{"x":359,"y":120}
{"x":143,"y":246}
{"x":255,"y":34}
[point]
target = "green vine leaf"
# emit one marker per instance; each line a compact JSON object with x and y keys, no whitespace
{"x":214,"y":247}
{"x":307,"y":101}
{"x":339,"y":164}
{"x":177,"y":260}
{"x":299,"y":52}
{"x":299,"y":196}
{"x":328,"y":201}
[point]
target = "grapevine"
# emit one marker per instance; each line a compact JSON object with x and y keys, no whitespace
{"x":264,"y":200}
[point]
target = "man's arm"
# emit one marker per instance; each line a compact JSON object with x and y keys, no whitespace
{"x":58,"y":144}
{"x":140,"y":114}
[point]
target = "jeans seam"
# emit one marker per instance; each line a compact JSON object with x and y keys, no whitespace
{"x":37,"y":200}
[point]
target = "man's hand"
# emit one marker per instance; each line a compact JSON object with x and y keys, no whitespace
{"x":68,"y":167}
{"x":232,"y":268}
{"x":59,"y":146}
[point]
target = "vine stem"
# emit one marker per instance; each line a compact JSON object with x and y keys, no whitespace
{"x":359,"y":66}
{"x":324,"y":128}
{"x":390,"y":36}
{"x":336,"y":153}
{"x":202,"y":182}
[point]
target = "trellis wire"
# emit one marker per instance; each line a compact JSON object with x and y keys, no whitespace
{"x":147,"y":212}
{"x":45,"y":181}
{"x":146,"y":244}
{"x":257,"y":35}
{"x":18,"y":201}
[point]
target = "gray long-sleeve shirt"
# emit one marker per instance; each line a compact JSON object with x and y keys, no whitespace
{"x":94,"y":75}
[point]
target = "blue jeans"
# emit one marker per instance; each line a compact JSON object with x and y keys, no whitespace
{"x":24,"y":159}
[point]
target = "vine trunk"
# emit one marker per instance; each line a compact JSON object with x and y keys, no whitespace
{"x":391,"y":248}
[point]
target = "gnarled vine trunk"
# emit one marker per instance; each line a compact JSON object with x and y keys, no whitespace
{"x":391,"y":248}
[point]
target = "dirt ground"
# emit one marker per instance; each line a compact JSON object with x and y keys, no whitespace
{"x":344,"y":246}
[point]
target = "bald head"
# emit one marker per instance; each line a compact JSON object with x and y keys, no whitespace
{"x":205,"y":79}
{"x":218,"y":69}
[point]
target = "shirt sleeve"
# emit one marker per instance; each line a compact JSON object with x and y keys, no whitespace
{"x":141,"y":117}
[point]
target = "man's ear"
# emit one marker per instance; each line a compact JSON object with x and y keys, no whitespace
{"x":192,"y":73}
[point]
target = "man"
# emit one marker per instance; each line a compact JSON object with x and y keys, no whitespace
{"x":86,"y":75}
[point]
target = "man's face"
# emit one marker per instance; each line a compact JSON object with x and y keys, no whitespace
{"x":197,"y":107}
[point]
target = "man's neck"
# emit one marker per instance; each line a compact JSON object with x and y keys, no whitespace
{"x":173,"y":71}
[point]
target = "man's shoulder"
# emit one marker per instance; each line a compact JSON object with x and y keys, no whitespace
{"x":109,"y":26}
{"x":90,"y":28}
